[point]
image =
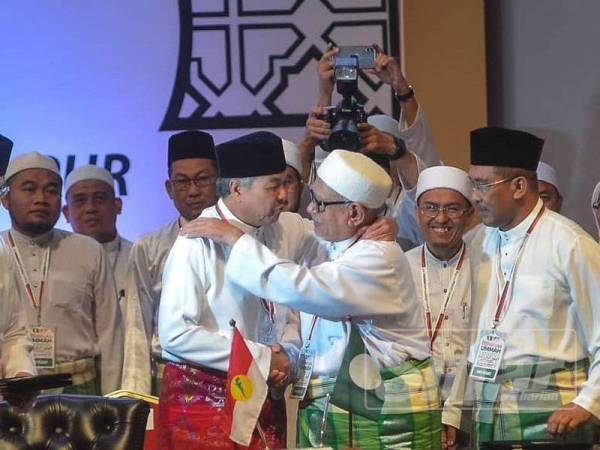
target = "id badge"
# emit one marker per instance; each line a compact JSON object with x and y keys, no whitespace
{"x":44,"y":347}
{"x":306,"y":361}
{"x":489,"y":357}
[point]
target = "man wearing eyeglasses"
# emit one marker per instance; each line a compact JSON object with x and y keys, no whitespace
{"x":192,"y":188}
{"x":534,"y":357}
{"x":440,"y":267}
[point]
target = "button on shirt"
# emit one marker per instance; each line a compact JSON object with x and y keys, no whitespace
{"x":451,"y":342}
{"x":79,"y":300}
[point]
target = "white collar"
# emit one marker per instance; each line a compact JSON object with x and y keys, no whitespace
{"x":519,"y":231}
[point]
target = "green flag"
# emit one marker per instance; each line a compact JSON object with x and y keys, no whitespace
{"x":358,"y":387}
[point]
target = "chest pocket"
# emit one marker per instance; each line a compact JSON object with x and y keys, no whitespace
{"x":533,"y":296}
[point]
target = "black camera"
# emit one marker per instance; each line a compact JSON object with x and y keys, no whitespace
{"x":348,"y":112}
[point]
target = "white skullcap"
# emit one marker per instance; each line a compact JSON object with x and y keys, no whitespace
{"x":31,"y":160}
{"x":444,"y":177}
{"x":385,"y":123}
{"x":292,"y":155}
{"x":545,"y":172}
{"x":356,"y":177}
{"x":89,"y":172}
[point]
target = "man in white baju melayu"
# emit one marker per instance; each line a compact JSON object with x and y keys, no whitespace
{"x":65,"y":282}
{"x":534,"y":353}
{"x":440,"y":267}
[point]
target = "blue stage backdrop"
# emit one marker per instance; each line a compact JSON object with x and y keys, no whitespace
{"x":108,"y":82}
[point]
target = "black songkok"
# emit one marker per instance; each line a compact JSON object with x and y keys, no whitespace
{"x":252,"y":155}
{"x":501,"y":147}
{"x":6,"y":146}
{"x":190,"y":144}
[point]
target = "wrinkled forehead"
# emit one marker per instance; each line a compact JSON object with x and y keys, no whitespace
{"x":90,"y":187}
{"x":481,"y":172}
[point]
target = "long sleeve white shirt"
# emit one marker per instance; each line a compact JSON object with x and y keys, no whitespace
{"x":198,"y":301}
{"x":79,"y":300}
{"x":554,"y":311}
{"x":147,"y":259}
{"x":118,"y":251}
{"x":15,"y":345}
{"x":369,"y":281}
{"x":450,"y":345}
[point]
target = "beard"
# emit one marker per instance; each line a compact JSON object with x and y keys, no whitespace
{"x":35,"y":228}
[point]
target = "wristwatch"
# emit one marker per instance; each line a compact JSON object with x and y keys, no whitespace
{"x":400,"y":149}
{"x":404,"y":97}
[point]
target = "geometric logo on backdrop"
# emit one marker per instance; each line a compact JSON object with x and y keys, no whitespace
{"x":251,"y":63}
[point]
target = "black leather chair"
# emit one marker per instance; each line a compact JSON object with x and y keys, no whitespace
{"x":75,"y":422}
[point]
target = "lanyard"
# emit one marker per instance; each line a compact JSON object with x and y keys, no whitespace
{"x":501,"y":296}
{"x":433,"y":333}
{"x":37,"y":304}
{"x":268,"y":306}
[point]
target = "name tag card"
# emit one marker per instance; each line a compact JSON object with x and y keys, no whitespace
{"x":44,"y":347}
{"x":306,"y":361}
{"x":489,"y":357}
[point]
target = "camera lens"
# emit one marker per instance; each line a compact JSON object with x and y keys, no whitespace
{"x":344,"y":135}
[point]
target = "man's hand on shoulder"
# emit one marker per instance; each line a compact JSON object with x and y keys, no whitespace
{"x":383,"y":229}
{"x":217,"y":230}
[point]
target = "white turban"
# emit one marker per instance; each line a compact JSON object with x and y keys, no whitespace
{"x":356,"y":177}
{"x":89,"y":172}
{"x":444,"y":177}
{"x":31,"y":160}
{"x":292,"y":155}
{"x":547,"y":173}
{"x":385,"y":123}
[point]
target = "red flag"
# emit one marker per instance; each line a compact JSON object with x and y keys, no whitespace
{"x":246,"y":391}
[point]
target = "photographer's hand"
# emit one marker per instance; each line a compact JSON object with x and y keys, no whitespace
{"x":325,"y":72}
{"x":375,"y":141}
{"x":316,"y":128}
{"x":388,"y":70}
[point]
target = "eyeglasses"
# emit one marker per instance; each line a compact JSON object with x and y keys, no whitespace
{"x":184,"y":183}
{"x":484,"y":187}
{"x":321,"y":205}
{"x":453,"y":212}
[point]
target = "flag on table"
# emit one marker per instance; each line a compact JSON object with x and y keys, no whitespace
{"x":358,"y":386}
{"x":246,"y":391}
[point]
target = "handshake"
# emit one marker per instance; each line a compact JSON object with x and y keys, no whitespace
{"x":280,"y":370}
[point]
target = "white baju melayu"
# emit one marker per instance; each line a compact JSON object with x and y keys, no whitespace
{"x":450,"y":344}
{"x":118,"y":256}
{"x":198,"y":301}
{"x":143,"y":289}
{"x":367,"y":280}
{"x":15,"y":345}
{"x":79,"y":300}
{"x":553,"y":314}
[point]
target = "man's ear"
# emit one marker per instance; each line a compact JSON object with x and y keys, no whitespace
{"x":6,"y":201}
{"x":65,"y":211}
{"x":235,"y":187}
{"x":357,"y":215}
{"x":521,"y":185}
{"x":169,"y":188}
{"x":118,"y":205}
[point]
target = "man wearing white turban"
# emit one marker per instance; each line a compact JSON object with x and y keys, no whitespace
{"x":366,"y":280}
{"x":548,"y":187}
{"x":440,"y":267}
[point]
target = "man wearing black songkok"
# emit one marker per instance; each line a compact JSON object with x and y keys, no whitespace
{"x":534,"y":359}
{"x":191,"y":184}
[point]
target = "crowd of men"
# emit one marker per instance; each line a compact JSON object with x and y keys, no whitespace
{"x":478,"y":332}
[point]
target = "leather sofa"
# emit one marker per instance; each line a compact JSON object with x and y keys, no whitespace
{"x":75,"y":422}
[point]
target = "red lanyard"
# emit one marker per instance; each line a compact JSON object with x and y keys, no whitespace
{"x":37,"y":304}
{"x":501,"y":297}
{"x":268,"y":306}
{"x":433,"y":333}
